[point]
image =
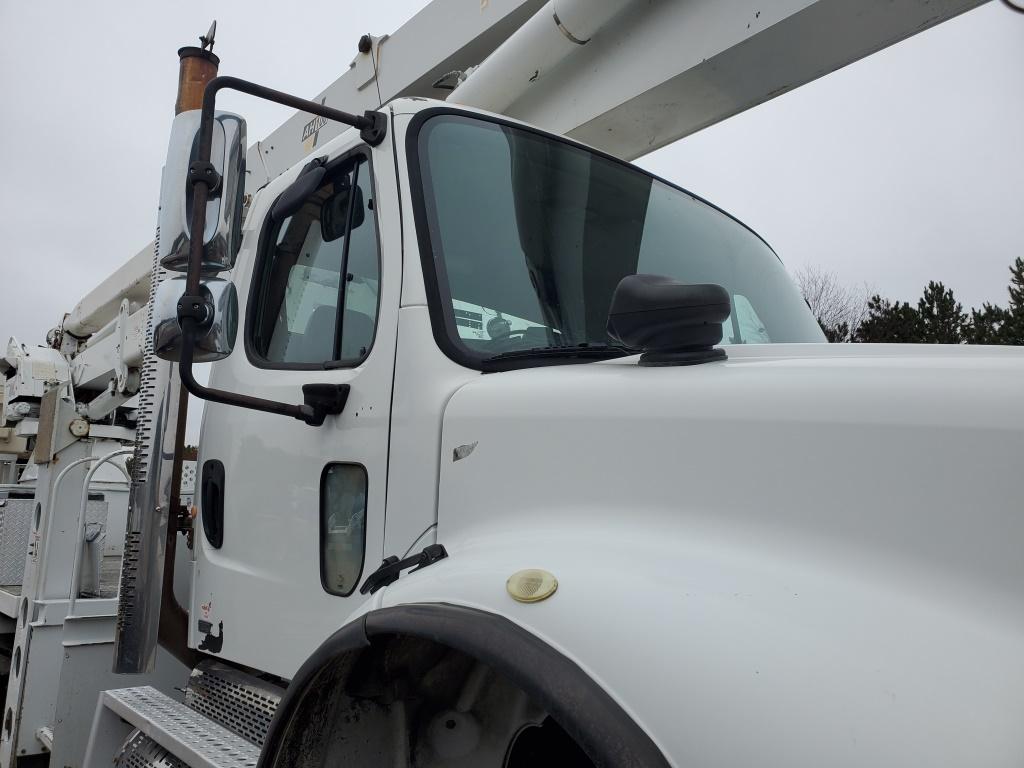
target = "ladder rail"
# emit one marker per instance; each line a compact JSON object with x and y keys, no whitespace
{"x":76,"y":565}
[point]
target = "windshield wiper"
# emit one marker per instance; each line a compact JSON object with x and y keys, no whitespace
{"x":583,"y":351}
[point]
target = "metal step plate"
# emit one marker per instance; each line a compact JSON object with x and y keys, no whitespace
{"x":184,"y":733}
{"x":140,"y":751}
{"x":242,"y":703}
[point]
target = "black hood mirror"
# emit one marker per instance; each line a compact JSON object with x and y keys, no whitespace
{"x":673,"y":323}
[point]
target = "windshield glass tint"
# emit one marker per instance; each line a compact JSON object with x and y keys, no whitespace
{"x":531,"y":236}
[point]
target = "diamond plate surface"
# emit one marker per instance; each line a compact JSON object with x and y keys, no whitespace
{"x":243,"y":704}
{"x":184,"y":733}
{"x":15,"y":526}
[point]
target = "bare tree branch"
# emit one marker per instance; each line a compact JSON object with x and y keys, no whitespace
{"x":839,"y":310}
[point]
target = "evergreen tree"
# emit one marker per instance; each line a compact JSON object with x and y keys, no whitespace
{"x":986,"y":325}
{"x":995,"y":325}
{"x":938,"y":318}
{"x":1012,"y":331}
{"x":890,"y":323}
{"x":1017,"y":285}
{"x":837,"y":334}
{"x":942,"y":317}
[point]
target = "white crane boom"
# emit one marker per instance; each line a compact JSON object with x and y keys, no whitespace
{"x":659,"y":71}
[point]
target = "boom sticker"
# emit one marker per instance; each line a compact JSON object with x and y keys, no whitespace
{"x":311,"y":131}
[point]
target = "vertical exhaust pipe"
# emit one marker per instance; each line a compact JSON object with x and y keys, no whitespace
{"x":196,"y":67}
{"x":148,"y":613}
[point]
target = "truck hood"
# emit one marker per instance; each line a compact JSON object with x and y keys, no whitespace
{"x":820,"y":544}
{"x":908,"y":456}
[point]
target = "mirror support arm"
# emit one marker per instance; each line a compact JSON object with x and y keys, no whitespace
{"x":304,"y":412}
{"x":192,"y":309}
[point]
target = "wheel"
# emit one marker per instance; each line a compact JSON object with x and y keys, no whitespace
{"x":418,"y":704}
{"x":425,"y":685}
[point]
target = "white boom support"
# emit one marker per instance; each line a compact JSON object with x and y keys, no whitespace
{"x":100,"y":306}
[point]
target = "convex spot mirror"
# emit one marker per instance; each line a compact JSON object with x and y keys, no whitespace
{"x":215,"y":339}
{"x":223,"y":232}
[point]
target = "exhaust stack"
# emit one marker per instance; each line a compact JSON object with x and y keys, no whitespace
{"x":146,"y":594}
{"x":197,"y":67}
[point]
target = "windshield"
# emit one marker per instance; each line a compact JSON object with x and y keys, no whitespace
{"x":531,"y":235}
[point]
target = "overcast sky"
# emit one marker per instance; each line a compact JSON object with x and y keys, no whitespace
{"x":904,"y":167}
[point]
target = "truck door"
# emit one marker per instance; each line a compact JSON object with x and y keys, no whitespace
{"x":293,"y":515}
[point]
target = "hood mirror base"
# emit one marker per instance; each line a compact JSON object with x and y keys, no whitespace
{"x":682,"y":357}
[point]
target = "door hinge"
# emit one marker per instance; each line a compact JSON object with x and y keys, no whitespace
{"x":391,"y":567}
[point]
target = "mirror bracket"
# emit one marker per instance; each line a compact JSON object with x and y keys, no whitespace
{"x":197,"y":307}
{"x":205,"y":171}
{"x":324,"y":400}
{"x":374,"y":133}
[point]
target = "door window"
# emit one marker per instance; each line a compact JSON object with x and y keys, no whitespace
{"x":319,"y":275}
{"x":342,"y":527}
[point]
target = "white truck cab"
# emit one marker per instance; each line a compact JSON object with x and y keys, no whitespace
{"x":659,"y":512}
{"x":477,"y":247}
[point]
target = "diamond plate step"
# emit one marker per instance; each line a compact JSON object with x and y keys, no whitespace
{"x":184,"y":733}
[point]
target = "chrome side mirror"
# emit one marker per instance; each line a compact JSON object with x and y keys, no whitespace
{"x":216,"y":336}
{"x":222,"y":234}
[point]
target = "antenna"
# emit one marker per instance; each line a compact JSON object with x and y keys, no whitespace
{"x":207,"y":39}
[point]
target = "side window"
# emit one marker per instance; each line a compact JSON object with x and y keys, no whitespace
{"x":362,"y":281}
{"x":319,"y":273}
{"x":342,"y":527}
